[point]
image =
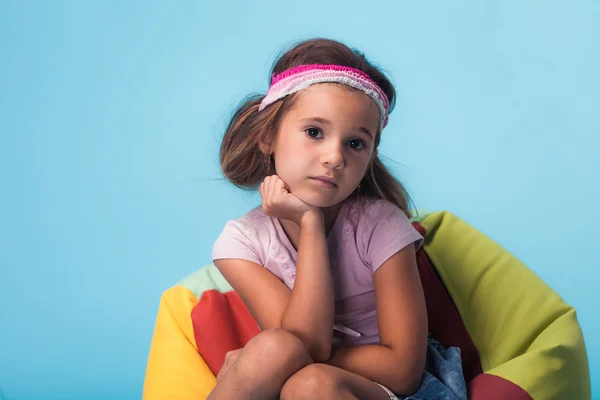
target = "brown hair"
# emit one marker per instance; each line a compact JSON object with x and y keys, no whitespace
{"x":246,"y":166}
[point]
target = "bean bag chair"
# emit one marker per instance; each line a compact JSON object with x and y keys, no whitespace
{"x":519,"y":340}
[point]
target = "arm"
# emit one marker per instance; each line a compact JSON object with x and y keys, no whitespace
{"x":308,"y":310}
{"x":399,"y":360}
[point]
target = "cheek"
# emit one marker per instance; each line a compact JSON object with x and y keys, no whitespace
{"x":287,"y":160}
{"x":361,"y":162}
{"x":292,"y":150}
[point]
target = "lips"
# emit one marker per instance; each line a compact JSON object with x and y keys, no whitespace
{"x":325,"y":180}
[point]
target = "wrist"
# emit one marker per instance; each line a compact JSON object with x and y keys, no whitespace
{"x":311,"y":218}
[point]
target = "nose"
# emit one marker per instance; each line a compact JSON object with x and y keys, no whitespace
{"x":333,"y":156}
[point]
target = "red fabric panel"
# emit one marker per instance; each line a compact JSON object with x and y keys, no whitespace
{"x":221,"y":323}
{"x":445,"y":323}
{"x":492,"y":387}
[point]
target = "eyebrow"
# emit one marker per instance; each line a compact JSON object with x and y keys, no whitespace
{"x":327,"y":122}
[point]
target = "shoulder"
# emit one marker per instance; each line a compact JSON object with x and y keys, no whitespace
{"x":382,"y":230}
{"x":252,"y":223}
{"x":374,"y":212}
{"x":245,"y":235}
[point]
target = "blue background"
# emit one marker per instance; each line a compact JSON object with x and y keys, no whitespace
{"x":111,"y":116}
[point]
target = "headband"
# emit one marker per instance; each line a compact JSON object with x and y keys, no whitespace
{"x":298,"y":78}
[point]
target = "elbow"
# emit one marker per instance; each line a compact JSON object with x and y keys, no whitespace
{"x":407,"y":388}
{"x":407,"y":375}
{"x":408,"y":366}
{"x":320,"y":352}
{"x":318,"y":348}
{"x":407,"y":384}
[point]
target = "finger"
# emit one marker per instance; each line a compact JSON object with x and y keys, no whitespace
{"x":221,"y":374}
{"x":279,"y":186}
{"x":265,"y":187}
{"x":264,"y":194}
{"x":268,"y":181}
{"x":279,"y":190}
{"x":230,"y":359}
{"x":285,"y":185}
{"x":269,"y":188}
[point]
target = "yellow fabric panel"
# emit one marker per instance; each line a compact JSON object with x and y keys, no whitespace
{"x":522,"y":329}
{"x":175,"y":369}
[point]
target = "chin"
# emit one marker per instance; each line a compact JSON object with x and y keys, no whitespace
{"x":319,"y":200}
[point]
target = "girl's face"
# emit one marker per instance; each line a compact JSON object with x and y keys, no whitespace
{"x":325,"y":143}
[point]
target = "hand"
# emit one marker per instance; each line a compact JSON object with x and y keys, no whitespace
{"x":279,"y":202}
{"x":230,"y":359}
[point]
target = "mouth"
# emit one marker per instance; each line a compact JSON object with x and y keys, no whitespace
{"x":324,"y":181}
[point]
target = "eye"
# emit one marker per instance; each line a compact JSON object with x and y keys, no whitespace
{"x":356,"y":144}
{"x":313,"y":133}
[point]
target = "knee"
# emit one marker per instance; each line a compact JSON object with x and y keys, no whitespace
{"x":275,"y":350}
{"x":314,"y":381}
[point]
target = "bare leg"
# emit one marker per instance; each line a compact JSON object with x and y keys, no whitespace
{"x":322,"y":381}
{"x":263,"y":367}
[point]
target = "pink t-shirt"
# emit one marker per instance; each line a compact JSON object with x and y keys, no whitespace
{"x":359,"y":242}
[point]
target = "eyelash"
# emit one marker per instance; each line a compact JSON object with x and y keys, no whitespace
{"x":364,"y":145}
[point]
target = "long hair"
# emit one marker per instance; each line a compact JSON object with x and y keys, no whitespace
{"x":242,"y":161}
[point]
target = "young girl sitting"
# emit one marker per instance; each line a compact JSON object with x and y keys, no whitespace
{"x":327,"y":264}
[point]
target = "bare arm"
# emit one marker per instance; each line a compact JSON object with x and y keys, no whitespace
{"x":310,"y":311}
{"x":399,"y":360}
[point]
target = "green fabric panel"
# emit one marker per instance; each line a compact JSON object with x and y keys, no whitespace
{"x":555,"y":364}
{"x":419,"y":215}
{"x":523,"y":330}
{"x":206,"y":278}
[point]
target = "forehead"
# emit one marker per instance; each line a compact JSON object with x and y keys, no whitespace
{"x":337,"y":103}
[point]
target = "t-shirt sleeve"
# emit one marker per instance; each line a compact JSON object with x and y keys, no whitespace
{"x":386,"y":231}
{"x":237,"y":241}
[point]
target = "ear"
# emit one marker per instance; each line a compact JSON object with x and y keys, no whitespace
{"x":375,"y":154}
{"x":265,"y":148}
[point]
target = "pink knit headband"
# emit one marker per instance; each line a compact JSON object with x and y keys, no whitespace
{"x":301,"y":77}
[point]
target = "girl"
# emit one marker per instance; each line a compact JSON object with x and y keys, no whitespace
{"x":327,"y":265}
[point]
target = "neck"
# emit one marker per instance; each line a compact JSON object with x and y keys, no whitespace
{"x":292,"y":230}
{"x":330,"y":215}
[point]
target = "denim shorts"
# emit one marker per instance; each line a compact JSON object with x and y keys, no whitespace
{"x":443,"y":377}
